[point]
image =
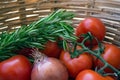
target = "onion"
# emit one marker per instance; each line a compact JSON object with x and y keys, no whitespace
{"x":48,"y":68}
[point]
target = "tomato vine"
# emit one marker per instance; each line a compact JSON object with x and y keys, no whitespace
{"x":96,"y":53}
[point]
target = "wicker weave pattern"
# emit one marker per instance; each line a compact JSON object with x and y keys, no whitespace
{"x":14,"y":13}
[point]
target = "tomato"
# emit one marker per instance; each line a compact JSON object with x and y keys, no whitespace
{"x":15,"y":68}
{"x":75,"y":65}
{"x":52,"y":49}
{"x":91,"y":75}
{"x":93,"y":25}
{"x":112,"y":55}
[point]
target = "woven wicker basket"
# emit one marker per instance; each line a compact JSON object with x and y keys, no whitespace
{"x":14,"y":13}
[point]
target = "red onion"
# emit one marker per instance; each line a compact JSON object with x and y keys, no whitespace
{"x":48,"y":68}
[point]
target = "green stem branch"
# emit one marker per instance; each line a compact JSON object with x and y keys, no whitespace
{"x":97,"y":54}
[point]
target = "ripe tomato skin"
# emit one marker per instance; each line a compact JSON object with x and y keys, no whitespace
{"x":112,"y":55}
{"x":91,"y":75}
{"x":52,"y":49}
{"x":109,"y":78}
{"x":15,"y":68}
{"x":75,"y":65}
{"x":93,"y":25}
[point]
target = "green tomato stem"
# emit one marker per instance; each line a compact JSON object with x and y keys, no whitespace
{"x":98,"y":56}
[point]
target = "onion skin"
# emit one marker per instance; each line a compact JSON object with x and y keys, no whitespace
{"x":49,"y":69}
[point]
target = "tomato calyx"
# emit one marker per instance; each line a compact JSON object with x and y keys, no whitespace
{"x":74,"y":51}
{"x":87,"y":37}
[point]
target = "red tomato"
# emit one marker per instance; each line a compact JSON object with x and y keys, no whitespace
{"x":93,"y":25}
{"x":75,"y":65}
{"x":112,"y":55}
{"x":91,"y":75}
{"x":52,"y":49}
{"x":16,"y":68}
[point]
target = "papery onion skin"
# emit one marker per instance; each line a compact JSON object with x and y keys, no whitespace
{"x":49,"y":69}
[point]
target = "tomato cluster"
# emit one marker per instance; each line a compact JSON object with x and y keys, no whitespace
{"x":82,"y":66}
{"x":92,"y":65}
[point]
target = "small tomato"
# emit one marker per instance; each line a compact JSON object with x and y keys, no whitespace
{"x":51,"y":49}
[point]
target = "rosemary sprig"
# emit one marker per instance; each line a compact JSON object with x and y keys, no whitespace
{"x":36,"y":34}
